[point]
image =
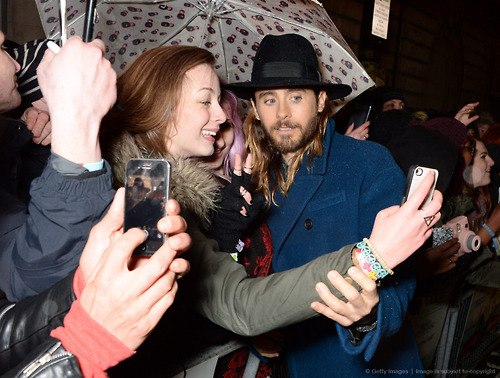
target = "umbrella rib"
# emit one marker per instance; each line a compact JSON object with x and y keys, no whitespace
{"x":74,"y":22}
{"x":274,"y":16}
{"x":226,"y":68}
{"x":263,"y":12}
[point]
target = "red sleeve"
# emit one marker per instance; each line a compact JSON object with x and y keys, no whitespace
{"x":94,"y":347}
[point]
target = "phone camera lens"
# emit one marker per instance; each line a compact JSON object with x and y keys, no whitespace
{"x":419,"y":172}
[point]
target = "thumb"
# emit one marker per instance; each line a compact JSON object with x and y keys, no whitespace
{"x":349,"y":129}
{"x":113,"y":220}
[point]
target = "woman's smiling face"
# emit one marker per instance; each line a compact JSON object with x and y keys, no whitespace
{"x":478,"y":172}
{"x":199,"y":115}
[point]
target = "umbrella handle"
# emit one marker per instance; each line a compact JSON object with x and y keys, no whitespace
{"x":88,"y":25}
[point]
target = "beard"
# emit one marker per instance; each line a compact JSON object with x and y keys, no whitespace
{"x":286,"y":144}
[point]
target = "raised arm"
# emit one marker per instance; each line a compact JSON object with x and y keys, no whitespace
{"x":43,"y":245}
{"x":222,"y":291}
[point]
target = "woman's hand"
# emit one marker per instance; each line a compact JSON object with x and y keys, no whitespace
{"x":110,"y":228}
{"x":463,"y":115}
{"x":358,"y":305}
{"x":238,"y":207}
{"x":241,"y":181}
{"x":359,"y":133}
{"x":37,"y":121}
{"x":130,"y":302}
{"x":439,"y":259}
{"x":400,"y":230}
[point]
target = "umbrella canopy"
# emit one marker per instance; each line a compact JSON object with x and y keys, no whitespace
{"x":230,"y":29}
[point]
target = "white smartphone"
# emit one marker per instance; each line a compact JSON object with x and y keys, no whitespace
{"x":416,"y":174}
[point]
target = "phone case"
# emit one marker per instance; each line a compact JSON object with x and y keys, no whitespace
{"x":415,"y":176}
{"x":360,"y":116}
{"x":146,"y":193}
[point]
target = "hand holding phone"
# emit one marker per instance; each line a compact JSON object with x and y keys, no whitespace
{"x":360,"y":116}
{"x":147,"y":183}
{"x":415,"y":176}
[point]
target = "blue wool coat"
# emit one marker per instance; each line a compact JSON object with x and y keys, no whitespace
{"x":333,"y":202}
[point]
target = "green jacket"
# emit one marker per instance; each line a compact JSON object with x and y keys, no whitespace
{"x":221,"y":290}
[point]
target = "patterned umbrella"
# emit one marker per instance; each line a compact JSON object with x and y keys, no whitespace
{"x":230,"y":29}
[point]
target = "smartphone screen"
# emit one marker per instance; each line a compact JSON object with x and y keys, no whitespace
{"x":415,"y":176}
{"x":146,"y":193}
{"x":360,"y":116}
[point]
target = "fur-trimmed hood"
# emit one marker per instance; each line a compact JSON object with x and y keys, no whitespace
{"x":195,"y":187}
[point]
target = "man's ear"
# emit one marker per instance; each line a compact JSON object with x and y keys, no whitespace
{"x":255,"y":109}
{"x":321,"y":101}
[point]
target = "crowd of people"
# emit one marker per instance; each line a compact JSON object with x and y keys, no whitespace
{"x":289,"y":252}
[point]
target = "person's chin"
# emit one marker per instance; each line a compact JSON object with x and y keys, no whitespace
{"x":205,"y":153}
{"x":17,"y":100}
{"x":10,"y":104}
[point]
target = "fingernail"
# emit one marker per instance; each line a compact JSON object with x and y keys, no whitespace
{"x":333,"y":275}
{"x":352,"y":270}
{"x":53,"y":47}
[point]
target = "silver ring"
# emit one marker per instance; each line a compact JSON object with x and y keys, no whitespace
{"x":243,"y":192}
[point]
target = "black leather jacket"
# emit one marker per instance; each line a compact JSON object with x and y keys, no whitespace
{"x":26,"y":348}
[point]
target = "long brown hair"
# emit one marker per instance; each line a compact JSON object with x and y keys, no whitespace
{"x":460,"y":188}
{"x":267,"y":162}
{"x":149,"y":92}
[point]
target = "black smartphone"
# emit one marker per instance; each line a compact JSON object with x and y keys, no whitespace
{"x":360,"y":115}
{"x":416,"y":174}
{"x":147,"y":183}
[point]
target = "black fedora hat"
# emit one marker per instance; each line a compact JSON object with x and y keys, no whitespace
{"x":286,"y":61}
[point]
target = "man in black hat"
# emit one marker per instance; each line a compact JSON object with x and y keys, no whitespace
{"x":324,"y":191}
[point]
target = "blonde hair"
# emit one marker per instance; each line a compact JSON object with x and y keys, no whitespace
{"x":149,"y":91}
{"x":267,"y":162}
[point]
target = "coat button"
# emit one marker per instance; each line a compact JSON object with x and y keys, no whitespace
{"x":308,"y":224}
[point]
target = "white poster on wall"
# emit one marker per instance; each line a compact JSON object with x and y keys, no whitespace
{"x":380,"y":23}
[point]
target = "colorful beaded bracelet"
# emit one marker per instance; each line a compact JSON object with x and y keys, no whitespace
{"x":368,"y":262}
{"x":378,"y":256}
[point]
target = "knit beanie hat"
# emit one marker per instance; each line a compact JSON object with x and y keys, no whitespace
{"x":451,"y":128}
{"x":379,"y":95}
